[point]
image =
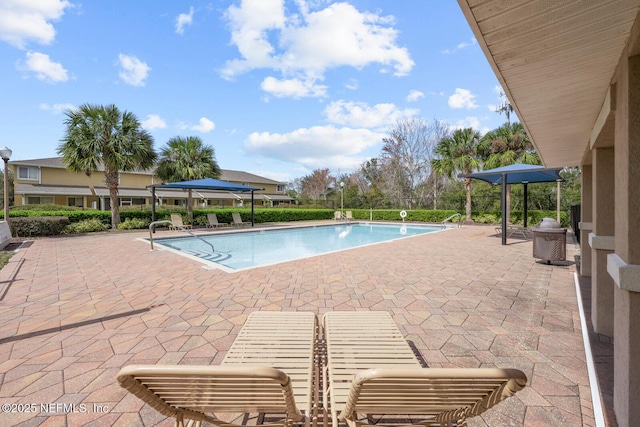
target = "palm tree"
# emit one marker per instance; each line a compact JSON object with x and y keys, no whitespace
{"x":458,"y":154}
{"x":102,"y":136}
{"x":505,"y":146}
{"x":185,"y":159}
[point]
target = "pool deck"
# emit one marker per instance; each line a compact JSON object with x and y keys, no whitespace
{"x":75,"y":309}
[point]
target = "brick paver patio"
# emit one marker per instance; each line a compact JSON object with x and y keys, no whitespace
{"x":74,"y":310}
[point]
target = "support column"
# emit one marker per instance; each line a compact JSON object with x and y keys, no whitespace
{"x":586,"y":227}
{"x":624,"y":264}
{"x":601,"y":239}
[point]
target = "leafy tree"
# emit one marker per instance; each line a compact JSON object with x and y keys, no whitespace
{"x":505,"y":146}
{"x":101,"y":136}
{"x":186,"y":159}
{"x":368,"y":181}
{"x":317,"y":184}
{"x":458,"y":154}
{"x":407,"y":153}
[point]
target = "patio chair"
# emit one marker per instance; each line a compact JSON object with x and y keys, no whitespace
{"x":212,"y":220}
{"x":237,"y":220}
{"x":269,"y":369}
{"x":371,"y":370}
{"x":348,"y":216}
{"x":176,"y":219}
{"x":517,"y":230}
{"x":337,"y":215}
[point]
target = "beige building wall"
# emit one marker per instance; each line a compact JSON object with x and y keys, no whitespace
{"x":56,"y":176}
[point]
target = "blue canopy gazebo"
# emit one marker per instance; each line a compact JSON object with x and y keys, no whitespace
{"x":204,"y":184}
{"x":515,"y":174}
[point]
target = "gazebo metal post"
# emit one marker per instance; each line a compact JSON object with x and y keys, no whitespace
{"x":252,"y":218}
{"x":503,"y":202}
{"x":526,"y":200}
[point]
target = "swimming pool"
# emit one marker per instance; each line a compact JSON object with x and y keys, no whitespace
{"x":242,"y":250}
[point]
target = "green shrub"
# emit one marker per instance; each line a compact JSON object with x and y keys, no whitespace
{"x":433,"y":216}
{"x":133,"y":224}
{"x":43,"y":207}
{"x":34,"y":226}
{"x":486,"y":218}
{"x":200,"y":220}
{"x":85,"y":226}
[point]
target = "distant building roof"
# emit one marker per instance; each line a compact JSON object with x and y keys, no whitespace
{"x":227,"y":175}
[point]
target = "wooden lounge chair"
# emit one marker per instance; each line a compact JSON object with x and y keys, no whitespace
{"x":397,"y":385}
{"x":212,"y":220}
{"x":282,"y":340}
{"x":176,"y":219}
{"x":268,"y":369}
{"x":516,"y":230}
{"x":237,"y":220}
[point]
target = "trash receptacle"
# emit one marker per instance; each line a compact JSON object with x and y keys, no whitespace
{"x":549,"y":241}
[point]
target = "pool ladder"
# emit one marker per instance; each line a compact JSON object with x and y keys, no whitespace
{"x":165,"y":221}
{"x":443,"y":223}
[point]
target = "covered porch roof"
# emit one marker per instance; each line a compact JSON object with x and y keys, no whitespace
{"x":556,"y":61}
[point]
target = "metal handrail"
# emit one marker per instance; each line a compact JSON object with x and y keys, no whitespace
{"x":164,"y":221}
{"x":442,"y":224}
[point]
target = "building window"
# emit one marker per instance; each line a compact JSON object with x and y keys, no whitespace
{"x":132,"y":201}
{"x":74,"y":201}
{"x":27,"y":173}
{"x":32,"y":200}
{"x":280,"y":188}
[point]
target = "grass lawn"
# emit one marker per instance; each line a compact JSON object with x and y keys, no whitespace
{"x":4,"y":259}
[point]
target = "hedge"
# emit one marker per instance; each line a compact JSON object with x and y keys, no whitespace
{"x":30,"y":223}
{"x":33,"y":226}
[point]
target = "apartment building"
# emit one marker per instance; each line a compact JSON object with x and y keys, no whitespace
{"x":42,"y":181}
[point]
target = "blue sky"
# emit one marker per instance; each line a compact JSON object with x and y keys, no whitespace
{"x":278,"y":87}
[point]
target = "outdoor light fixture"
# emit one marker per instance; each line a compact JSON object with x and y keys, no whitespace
{"x":5,"y":153}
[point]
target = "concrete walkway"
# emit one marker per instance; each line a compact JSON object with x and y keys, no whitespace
{"x":74,"y":310}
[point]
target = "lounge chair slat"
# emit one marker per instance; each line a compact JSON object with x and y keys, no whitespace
{"x":269,"y":371}
{"x":372,"y":370}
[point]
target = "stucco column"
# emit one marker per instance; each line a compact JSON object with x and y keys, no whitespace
{"x":586,"y":227}
{"x":601,"y":239}
{"x":624,"y":264}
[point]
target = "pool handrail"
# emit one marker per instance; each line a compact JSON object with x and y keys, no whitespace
{"x":164,"y":221}
{"x":459,"y":215}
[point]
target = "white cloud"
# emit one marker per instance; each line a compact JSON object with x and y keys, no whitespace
{"x":276,"y":176}
{"x":462,"y":98}
{"x":23,"y":21}
{"x":44,"y":68}
{"x":294,"y":88}
{"x":468,"y":122}
{"x":133,"y":71}
{"x":57,"y":108}
{"x":153,"y":121}
{"x":414,"y":95}
{"x":318,"y":146}
{"x":461,"y":46}
{"x":360,"y":114}
{"x":183,"y":20}
{"x":204,"y":125}
{"x":304,"y":45}
{"x":352,"y":84}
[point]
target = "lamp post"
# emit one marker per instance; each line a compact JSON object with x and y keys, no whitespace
{"x":5,"y":153}
{"x":342,"y":199}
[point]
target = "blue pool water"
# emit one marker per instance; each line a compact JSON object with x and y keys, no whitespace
{"x":262,"y":247}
